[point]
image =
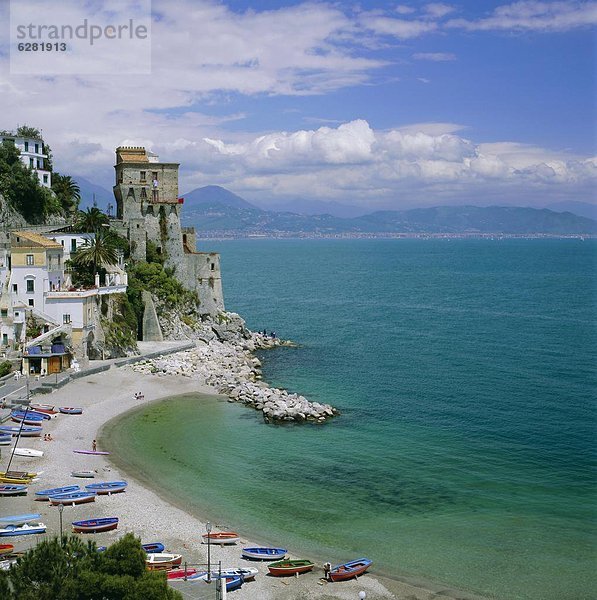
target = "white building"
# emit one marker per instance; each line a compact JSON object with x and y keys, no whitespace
{"x":32,"y":155}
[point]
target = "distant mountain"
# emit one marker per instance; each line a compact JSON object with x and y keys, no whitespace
{"x":89,"y":191}
{"x":218,"y":218}
{"x":214,"y":195}
{"x":304,"y":206}
{"x":582,"y":209}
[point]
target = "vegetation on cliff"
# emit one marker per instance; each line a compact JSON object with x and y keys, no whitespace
{"x":69,"y":569}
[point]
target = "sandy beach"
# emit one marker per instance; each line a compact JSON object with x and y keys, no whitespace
{"x":144,"y":511}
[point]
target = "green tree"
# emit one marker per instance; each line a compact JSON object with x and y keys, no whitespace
{"x":90,"y":220}
{"x":99,"y":251}
{"x":69,"y":569}
{"x":28,"y":131}
{"x":67,"y":191}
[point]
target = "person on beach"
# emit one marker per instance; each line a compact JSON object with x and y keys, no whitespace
{"x":327,"y":567}
{"x":94,"y":446}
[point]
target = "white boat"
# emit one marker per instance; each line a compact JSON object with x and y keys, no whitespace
{"x":83,"y":474}
{"x":247,"y":573}
{"x":25,"y":529}
{"x":163,"y":560}
{"x":28,"y":452}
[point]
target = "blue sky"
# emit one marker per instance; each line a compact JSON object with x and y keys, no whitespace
{"x":374,"y":104}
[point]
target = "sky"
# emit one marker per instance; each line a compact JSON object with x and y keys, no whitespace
{"x":380,"y":105}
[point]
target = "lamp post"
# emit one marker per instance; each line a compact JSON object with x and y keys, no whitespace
{"x":362,"y":595}
{"x":60,"y":509}
{"x":208,"y":529}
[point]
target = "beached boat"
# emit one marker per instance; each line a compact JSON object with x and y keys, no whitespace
{"x":27,"y":420}
{"x":5,"y":439}
{"x":20,"y":474}
{"x":83,"y":474}
{"x":66,"y":489}
{"x":12,"y":489}
{"x":72,"y":498}
{"x":153,"y":548}
{"x":264,"y":553}
{"x":107,"y":487}
{"x":27,"y":431}
{"x":29,"y":452}
{"x":19,"y":519}
{"x":4,"y":480}
{"x":95,"y":525}
{"x":6,"y":549}
{"x":247,"y":573}
{"x":24,"y":529}
{"x":91,"y":452}
{"x":70,"y":410}
{"x":184,"y":573}
{"x":41,"y":416}
{"x":44,"y":408}
{"x":221,"y":537}
{"x":290,"y":567}
{"x":350,"y":569}
{"x":162,"y":560}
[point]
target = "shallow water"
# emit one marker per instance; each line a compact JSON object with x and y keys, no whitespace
{"x":464,"y":371}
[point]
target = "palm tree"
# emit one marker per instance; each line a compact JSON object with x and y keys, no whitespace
{"x":99,"y":251}
{"x":91,"y":220}
{"x":67,"y":190}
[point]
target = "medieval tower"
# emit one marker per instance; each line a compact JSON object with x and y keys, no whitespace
{"x":148,"y":208}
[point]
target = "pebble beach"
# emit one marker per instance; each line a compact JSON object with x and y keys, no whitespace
{"x":141,"y":509}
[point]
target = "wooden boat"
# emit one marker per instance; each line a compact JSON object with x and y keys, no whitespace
{"x":41,"y":416}
{"x":16,"y":480}
{"x":162,"y":560}
{"x":20,"y":474}
{"x":107,"y":487}
{"x":67,"y":489}
{"x":44,"y":408}
{"x":29,"y":452}
{"x":70,"y":410}
{"x":27,"y":431}
{"x":72,"y":498}
{"x":221,"y":537}
{"x":26,"y":420}
{"x":5,"y":439}
{"x":247,"y":573}
{"x":290,"y":567}
{"x":6,"y":549}
{"x":83,"y":474}
{"x":95,"y":525}
{"x":350,"y":569}
{"x":91,"y":452}
{"x":19,"y":519}
{"x":24,"y":529}
{"x":11,"y":489}
{"x":153,"y":548}
{"x":264,"y":553}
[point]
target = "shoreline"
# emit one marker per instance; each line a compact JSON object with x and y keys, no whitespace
{"x":149,"y":513}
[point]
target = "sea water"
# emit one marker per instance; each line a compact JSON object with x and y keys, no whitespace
{"x":465,"y":374}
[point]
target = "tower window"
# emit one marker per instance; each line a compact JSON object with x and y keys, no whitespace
{"x":142,"y":175}
{"x":31,"y":302}
{"x":30,"y":285}
{"x":143,"y":193}
{"x":30,"y":260}
{"x":26,"y":146}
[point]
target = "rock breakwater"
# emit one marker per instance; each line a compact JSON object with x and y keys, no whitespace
{"x":232,"y":370}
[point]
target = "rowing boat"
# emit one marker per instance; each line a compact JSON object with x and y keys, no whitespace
{"x":264,"y":553}
{"x":350,"y":569}
{"x":25,"y":529}
{"x":107,"y":487}
{"x":19,"y":519}
{"x":72,"y":498}
{"x":95,"y":525}
{"x":290,"y":567}
{"x":66,"y":489}
{"x":162,"y":560}
{"x":221,"y":537}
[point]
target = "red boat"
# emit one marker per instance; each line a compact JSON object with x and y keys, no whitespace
{"x":290,"y":567}
{"x":351,"y":569}
{"x":181,"y":573}
{"x":44,"y":408}
{"x":221,"y":537}
{"x":6,"y":549}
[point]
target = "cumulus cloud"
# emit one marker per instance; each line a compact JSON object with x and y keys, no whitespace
{"x":434,"y":56}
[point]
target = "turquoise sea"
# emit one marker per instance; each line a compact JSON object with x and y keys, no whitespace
{"x":465,"y":373}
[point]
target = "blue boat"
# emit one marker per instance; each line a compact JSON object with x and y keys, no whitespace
{"x":45,"y":494}
{"x":19,"y":519}
{"x":5,"y":439}
{"x":28,"y":431}
{"x":107,"y":487}
{"x":154,"y":548}
{"x":10,"y":489}
{"x":70,"y":410}
{"x":72,"y":498}
{"x":24,"y":529}
{"x":31,"y":413}
{"x":264,"y":553}
{"x":95,"y":525}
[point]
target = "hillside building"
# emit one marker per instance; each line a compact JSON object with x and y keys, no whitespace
{"x":33,"y":155}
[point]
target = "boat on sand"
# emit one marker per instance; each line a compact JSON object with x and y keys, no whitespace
{"x":221,"y":537}
{"x":162,"y":560}
{"x":264,"y":553}
{"x":95,"y":525}
{"x":290,"y":567}
{"x":350,"y":569}
{"x":72,"y":498}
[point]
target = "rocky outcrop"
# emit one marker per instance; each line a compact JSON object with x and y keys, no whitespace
{"x":9,"y":217}
{"x":231,"y":369}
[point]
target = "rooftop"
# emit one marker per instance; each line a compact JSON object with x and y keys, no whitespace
{"x":35,"y":239}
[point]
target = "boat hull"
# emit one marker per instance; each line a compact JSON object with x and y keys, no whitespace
{"x":95,"y":525}
{"x":75,"y":498}
{"x":6,"y":549}
{"x":83,"y":474}
{"x":67,"y":489}
{"x":221,"y":538}
{"x":13,"y":490}
{"x":28,"y":452}
{"x":264,"y":553}
{"x":162,"y":561}
{"x":106,"y":488}
{"x":155,"y":548}
{"x":70,"y":410}
{"x":350,"y":569}
{"x":27,"y":529}
{"x":19,"y":519}
{"x":290,"y":567}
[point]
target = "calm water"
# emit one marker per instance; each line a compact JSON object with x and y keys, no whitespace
{"x":465,"y":372}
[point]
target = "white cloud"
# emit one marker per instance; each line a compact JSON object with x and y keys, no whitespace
{"x":434,"y":56}
{"x":400,"y":28}
{"x":534,"y":15}
{"x":438,"y":10}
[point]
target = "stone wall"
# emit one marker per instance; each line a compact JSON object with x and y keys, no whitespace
{"x":205,"y":277}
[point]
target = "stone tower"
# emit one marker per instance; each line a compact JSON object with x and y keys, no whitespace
{"x":148,"y":208}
